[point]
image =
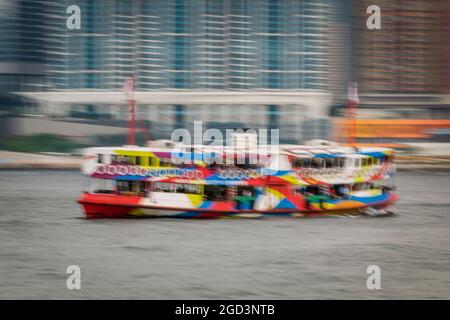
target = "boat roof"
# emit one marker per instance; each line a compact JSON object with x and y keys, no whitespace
{"x":301,"y":151}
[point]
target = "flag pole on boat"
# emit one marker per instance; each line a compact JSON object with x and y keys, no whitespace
{"x":352,"y":104}
{"x":129,"y":93}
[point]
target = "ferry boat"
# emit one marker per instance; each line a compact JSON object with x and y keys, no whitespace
{"x":293,"y":180}
{"x":168,"y":179}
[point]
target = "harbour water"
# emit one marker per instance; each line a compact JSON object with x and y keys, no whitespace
{"x":42,"y":232}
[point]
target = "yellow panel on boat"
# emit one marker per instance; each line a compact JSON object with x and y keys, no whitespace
{"x":196,"y":199}
{"x":136,"y":212}
{"x":276,"y":193}
{"x":349,"y":204}
{"x":135,"y":153}
{"x":293,"y":180}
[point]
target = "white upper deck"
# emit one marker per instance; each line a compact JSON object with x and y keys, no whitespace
{"x":286,"y":149}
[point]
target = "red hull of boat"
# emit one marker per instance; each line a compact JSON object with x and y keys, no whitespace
{"x":114,"y":206}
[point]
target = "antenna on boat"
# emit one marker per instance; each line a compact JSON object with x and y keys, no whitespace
{"x":129,"y":93}
{"x":352,"y":104}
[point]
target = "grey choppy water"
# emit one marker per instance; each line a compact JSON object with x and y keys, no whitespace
{"x":42,"y":232}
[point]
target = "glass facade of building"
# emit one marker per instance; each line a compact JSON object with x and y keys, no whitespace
{"x":191,"y":44}
{"x":22,"y":47}
{"x":242,"y":47}
{"x":409,"y":53}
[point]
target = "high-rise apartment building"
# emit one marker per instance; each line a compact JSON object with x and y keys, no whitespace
{"x":408,"y":54}
{"x":239,"y":63}
{"x":199,"y":48}
{"x":22,"y":49}
{"x":192,"y":44}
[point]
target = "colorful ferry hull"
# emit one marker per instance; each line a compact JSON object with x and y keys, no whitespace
{"x":116,"y":206}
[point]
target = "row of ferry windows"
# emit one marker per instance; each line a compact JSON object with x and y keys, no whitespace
{"x":164,"y":162}
{"x":338,"y":162}
{"x":210,"y":192}
{"x":142,"y":186}
{"x":135,"y":160}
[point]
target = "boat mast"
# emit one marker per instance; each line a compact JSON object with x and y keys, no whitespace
{"x":129,"y":93}
{"x":352,"y":105}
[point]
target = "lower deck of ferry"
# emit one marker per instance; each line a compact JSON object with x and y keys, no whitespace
{"x":120,"y":199}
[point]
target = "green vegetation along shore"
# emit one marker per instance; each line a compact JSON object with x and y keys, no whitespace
{"x":39,"y":143}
